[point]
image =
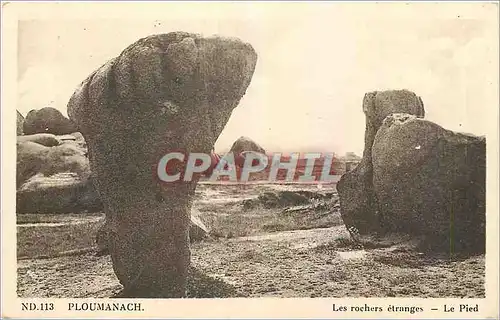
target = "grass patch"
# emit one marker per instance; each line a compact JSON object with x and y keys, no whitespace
{"x":237,"y":224}
{"x":258,"y":221}
{"x":304,"y":220}
{"x":45,"y":241}
{"x":26,"y":218}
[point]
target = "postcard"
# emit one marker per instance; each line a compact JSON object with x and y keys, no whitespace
{"x":255,"y":159}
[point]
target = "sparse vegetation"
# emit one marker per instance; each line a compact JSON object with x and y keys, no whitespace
{"x":293,"y":250}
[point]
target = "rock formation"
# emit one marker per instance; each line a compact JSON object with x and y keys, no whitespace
{"x":47,"y":120}
{"x":379,"y":104}
{"x":197,"y":232}
{"x":431,"y":181}
{"x":53,"y":175}
{"x":57,"y":194}
{"x":166,"y":92}
{"x":45,"y":139}
{"x":416,"y":178}
{"x":20,"y":123}
{"x":356,"y":186}
{"x":34,"y":158}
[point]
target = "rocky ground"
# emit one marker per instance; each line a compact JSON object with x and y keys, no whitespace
{"x":265,"y":240}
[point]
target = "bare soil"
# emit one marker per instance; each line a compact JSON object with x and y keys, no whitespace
{"x":294,"y":245}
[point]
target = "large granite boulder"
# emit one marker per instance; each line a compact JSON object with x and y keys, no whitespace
{"x":47,"y":120}
{"x":430,"y":181}
{"x":20,"y":123}
{"x":53,"y":175}
{"x":34,"y":158}
{"x":56,"y":194}
{"x":357,"y":205}
{"x":355,"y":187}
{"x":167,"y":92}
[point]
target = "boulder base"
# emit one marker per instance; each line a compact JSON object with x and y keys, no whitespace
{"x":197,"y":232}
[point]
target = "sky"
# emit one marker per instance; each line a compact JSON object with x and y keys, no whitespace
{"x":315,"y":62}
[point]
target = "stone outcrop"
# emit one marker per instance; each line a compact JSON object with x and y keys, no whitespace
{"x":57,"y":194}
{"x":416,"y":178}
{"x":168,"y":92}
{"x":431,"y":181}
{"x":356,"y":186}
{"x":53,"y":175}
{"x":34,"y":158}
{"x":47,"y":120}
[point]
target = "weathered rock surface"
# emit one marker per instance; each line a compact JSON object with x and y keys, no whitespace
{"x":34,"y":158}
{"x":57,"y":194}
{"x":356,"y":186}
{"x":416,"y":178}
{"x":197,"y":232}
{"x":20,"y":123}
{"x":377,"y":105}
{"x":166,"y":92}
{"x":47,"y":120}
{"x":53,"y":175}
{"x":45,"y":139}
{"x":355,"y":190}
{"x":431,"y":181}
{"x":75,"y":138}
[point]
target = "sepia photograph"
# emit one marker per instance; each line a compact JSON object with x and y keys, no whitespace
{"x":254,"y":150}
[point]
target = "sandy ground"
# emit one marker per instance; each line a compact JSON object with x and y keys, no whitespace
{"x":254,"y":250}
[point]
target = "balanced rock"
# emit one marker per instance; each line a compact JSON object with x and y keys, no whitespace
{"x":355,"y":187}
{"x":47,"y":120}
{"x":430,"y":181}
{"x":164,"y":93}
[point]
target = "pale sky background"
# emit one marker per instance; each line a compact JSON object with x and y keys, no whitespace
{"x":316,"y":61}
